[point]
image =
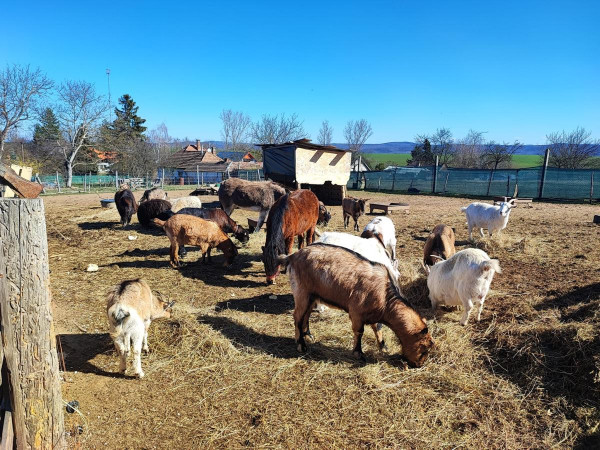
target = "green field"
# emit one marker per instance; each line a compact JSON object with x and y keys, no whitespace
{"x":399,"y":159}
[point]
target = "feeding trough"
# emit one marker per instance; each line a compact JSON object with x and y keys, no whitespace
{"x":108,"y":203}
{"x":597,"y":220}
{"x":389,"y":207}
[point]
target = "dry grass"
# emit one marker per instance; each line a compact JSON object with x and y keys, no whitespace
{"x":224,"y":372}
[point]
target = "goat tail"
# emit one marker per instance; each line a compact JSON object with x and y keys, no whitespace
{"x":117,"y":313}
{"x":160,"y":223}
{"x":492,"y":264}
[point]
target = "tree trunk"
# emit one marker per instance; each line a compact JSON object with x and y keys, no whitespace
{"x":69,"y":170}
{"x":27,"y":332}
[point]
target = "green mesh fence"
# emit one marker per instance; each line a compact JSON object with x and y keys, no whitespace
{"x":573,"y":184}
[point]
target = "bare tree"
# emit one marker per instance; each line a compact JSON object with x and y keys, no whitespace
{"x":277,"y":129}
{"x":160,"y":139}
{"x":499,"y":155}
{"x":79,"y":112}
{"x":572,"y":150}
{"x":20,"y":89}
{"x":325,"y":133}
{"x":468,"y":150}
{"x":235,"y":128}
{"x":357,"y":133}
{"x":442,"y":145}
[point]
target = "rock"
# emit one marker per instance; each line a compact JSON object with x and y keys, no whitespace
{"x":92,"y":268}
{"x":72,"y":406}
{"x":132,"y":238}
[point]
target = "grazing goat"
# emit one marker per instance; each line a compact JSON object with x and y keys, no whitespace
{"x":383,"y":229}
{"x":439,"y":245}
{"x":183,"y":229}
{"x":126,"y":204}
{"x":226,"y":223}
{"x":353,"y":207}
{"x":366,"y":291}
{"x":185,"y":202}
{"x":154,"y":193}
{"x":368,"y":248}
{"x":130,"y":308}
{"x":481,"y":215}
{"x":151,"y":209}
{"x":463,"y":279}
{"x":253,"y":195}
{"x":324,"y":215}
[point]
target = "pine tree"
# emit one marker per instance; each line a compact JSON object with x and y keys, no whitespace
{"x":48,"y":130}
{"x":128,"y":124}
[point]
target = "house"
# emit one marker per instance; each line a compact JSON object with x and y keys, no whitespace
{"x":105,"y":160}
{"x":324,"y":169}
{"x":196,"y":163}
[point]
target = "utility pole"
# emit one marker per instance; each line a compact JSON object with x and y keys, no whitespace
{"x":109,"y":103}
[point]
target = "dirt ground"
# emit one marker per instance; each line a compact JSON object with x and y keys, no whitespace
{"x":224,"y":370}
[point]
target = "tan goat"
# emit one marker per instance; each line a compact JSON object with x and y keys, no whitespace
{"x":439,"y":245}
{"x":183,"y":230}
{"x":130,"y":308}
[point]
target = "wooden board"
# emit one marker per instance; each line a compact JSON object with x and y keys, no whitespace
{"x":388,"y":207}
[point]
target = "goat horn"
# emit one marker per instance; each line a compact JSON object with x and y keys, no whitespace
{"x":437,"y":257}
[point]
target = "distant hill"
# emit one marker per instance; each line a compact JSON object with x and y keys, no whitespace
{"x":406,"y":147}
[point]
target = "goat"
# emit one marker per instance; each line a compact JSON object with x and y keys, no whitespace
{"x":366,"y":291}
{"x":183,"y":229}
{"x":369,"y":248}
{"x":481,"y":215}
{"x":130,"y":308}
{"x":154,"y":193}
{"x":383,"y":229}
{"x":151,"y":209}
{"x":463,"y":279}
{"x":324,"y":215}
{"x":439,"y":245}
{"x":185,"y":202}
{"x":126,"y":204}
{"x":220,"y":217}
{"x":353,"y":207}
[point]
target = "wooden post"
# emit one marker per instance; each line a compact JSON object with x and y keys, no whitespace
{"x":490,"y":182}
{"x":508,"y":185}
{"x":591,"y":188}
{"x":435,"y":169}
{"x":57,"y":182}
{"x":544,"y":169}
{"x":27,"y":333}
{"x":202,"y":178}
{"x":379,"y":185}
{"x":162,"y":180}
{"x":446,"y":182}
{"x":394,"y":179}
{"x":117,"y":179}
{"x":197,"y":176}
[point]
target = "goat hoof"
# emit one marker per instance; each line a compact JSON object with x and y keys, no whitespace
{"x":383,"y":347}
{"x":140,"y":374}
{"x":302,"y":348}
{"x":146,"y":350}
{"x":309,"y":337}
{"x":360,"y":356}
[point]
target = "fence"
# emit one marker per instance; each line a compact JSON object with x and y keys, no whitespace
{"x":572,"y":184}
{"x":166,"y":177}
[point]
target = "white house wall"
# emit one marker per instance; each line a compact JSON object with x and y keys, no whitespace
{"x":319,"y":166}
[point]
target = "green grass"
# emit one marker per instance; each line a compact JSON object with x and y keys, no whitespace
{"x":518,"y":162}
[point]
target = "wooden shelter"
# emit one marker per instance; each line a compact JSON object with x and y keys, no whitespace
{"x":195,"y":164}
{"x":324,"y":169}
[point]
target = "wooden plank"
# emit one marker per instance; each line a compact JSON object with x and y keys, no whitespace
{"x":28,"y":337}
{"x":21,"y":186}
{"x":8,"y":432}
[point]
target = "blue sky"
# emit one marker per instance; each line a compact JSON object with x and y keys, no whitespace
{"x":517,"y":70}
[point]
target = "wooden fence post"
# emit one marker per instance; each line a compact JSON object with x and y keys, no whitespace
{"x":28,"y":338}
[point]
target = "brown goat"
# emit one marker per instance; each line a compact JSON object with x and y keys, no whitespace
{"x":183,"y":229}
{"x":366,"y":291}
{"x":439,"y":245}
{"x":353,"y":207}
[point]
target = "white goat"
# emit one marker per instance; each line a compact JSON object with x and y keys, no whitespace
{"x":383,"y":228}
{"x":463,"y":279}
{"x":368,"y":248}
{"x":131,"y":306}
{"x":482,"y":215}
{"x":185,"y":202}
